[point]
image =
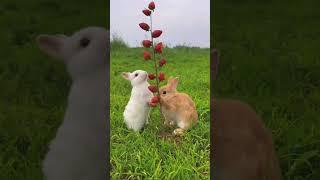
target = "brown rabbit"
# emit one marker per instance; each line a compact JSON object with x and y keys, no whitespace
{"x":242,"y":148}
{"x":177,"y":108}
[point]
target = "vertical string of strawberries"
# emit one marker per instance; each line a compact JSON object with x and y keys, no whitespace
{"x":156,"y":49}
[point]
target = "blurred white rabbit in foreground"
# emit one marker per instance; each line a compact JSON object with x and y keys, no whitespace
{"x":78,"y":151}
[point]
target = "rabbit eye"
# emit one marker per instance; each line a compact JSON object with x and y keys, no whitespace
{"x":164,"y":92}
{"x":84,"y":42}
{"x":136,"y":75}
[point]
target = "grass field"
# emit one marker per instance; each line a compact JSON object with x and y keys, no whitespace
{"x":145,"y":155}
{"x":33,"y":87}
{"x":269,"y":57}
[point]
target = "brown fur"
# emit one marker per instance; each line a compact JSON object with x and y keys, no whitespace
{"x":242,"y":147}
{"x":177,"y":108}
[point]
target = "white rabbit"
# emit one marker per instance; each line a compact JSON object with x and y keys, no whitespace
{"x":78,"y":151}
{"x":137,"y":111}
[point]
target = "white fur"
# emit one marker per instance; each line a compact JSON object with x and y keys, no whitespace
{"x":78,"y":151}
{"x":137,"y":111}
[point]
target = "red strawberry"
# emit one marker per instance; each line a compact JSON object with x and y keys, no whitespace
{"x":146,"y":55}
{"x":152,"y":6}
{"x":151,"y":76}
{"x":156,"y":33}
{"x":162,"y":62}
{"x":152,"y":104}
{"x":146,"y":43}
{"x":152,"y":88}
{"x":158,"y":48}
{"x":161,"y":76}
{"x":146,"y":12}
{"x":154,"y":100}
{"x":144,"y":26}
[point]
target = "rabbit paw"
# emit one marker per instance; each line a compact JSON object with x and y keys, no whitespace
{"x":171,"y":123}
{"x":178,"y":131}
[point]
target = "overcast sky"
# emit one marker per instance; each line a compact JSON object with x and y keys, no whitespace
{"x":182,"y":21}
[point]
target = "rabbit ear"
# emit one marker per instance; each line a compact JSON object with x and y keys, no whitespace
{"x":170,"y":79}
{"x":125,"y":75}
{"x":51,"y":44}
{"x":173,"y":83}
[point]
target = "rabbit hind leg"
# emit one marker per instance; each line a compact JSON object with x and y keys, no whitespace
{"x":183,"y":125}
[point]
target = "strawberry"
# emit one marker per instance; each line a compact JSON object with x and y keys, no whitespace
{"x":146,"y":43}
{"x":146,"y":55}
{"x":144,"y":26}
{"x":154,"y":100}
{"x":152,"y":88}
{"x":151,"y":76}
{"x":156,"y":33}
{"x":161,"y":76}
{"x":158,"y":48}
{"x":152,"y":6}
{"x":162,"y":62}
{"x":146,"y":12}
{"x":152,"y":104}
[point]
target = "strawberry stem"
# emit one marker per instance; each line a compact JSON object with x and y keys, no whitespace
{"x":154,"y":57}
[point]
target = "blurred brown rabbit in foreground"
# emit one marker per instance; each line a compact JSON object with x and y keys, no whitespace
{"x":177,"y":108}
{"x":242,"y":147}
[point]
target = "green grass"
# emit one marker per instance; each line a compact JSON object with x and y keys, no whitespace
{"x":34,"y":88}
{"x":269,"y":57}
{"x":117,"y":42}
{"x":145,"y":155}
